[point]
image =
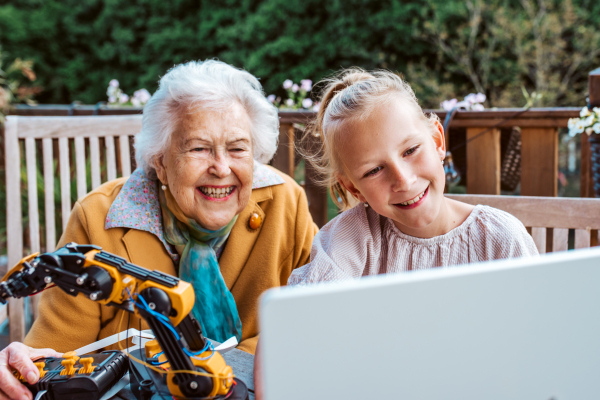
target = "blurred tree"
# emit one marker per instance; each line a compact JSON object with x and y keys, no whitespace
{"x":445,"y":48}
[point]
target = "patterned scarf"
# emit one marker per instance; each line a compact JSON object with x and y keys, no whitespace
{"x":214,"y":307}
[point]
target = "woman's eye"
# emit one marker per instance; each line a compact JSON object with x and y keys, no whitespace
{"x":373,"y":171}
{"x":199,"y":149}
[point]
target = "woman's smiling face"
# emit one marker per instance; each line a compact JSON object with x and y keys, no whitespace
{"x":392,"y":160}
{"x":208,"y":165}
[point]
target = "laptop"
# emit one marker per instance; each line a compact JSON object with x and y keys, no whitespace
{"x":511,"y":329}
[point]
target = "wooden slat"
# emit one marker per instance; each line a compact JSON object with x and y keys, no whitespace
{"x":111,"y":164}
{"x":65,"y":180}
{"x":539,"y":238}
{"x":3,"y":313}
{"x":55,"y":127}
{"x":14,"y":220}
{"x":561,"y":240}
{"x":125,"y":155}
{"x":34,"y":218}
{"x":284,"y":158}
{"x":32,"y":195}
{"x":558,"y":212}
{"x":539,"y":161}
{"x":483,"y":161}
{"x":49,"y":194}
{"x":582,"y":238}
{"x":80,"y":166}
{"x":95,"y":161}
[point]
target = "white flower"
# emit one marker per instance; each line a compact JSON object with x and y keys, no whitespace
{"x":113,"y":83}
{"x":306,"y":103}
{"x":112,"y":99}
{"x":287,"y":84}
{"x":295,"y":88}
{"x":142,"y":95}
{"x":588,"y":131}
{"x":123,"y":98}
{"x":477,"y":107}
{"x":306,"y":84}
{"x":584,"y":112}
{"x":579,"y":127}
{"x":289,"y":102}
{"x":449,"y":104}
{"x":596,"y":127}
{"x":112,"y":91}
{"x":271,"y":98}
{"x":589,"y":120}
{"x":136,"y":102}
{"x":316,"y":106}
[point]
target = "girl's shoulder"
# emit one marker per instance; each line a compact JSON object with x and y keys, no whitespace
{"x":502,"y":231}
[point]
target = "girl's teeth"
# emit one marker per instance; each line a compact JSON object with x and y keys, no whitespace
{"x":407,"y":203}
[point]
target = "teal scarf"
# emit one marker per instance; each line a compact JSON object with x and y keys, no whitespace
{"x":214,"y":307}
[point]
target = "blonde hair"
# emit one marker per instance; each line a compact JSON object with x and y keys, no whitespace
{"x":351,"y":95}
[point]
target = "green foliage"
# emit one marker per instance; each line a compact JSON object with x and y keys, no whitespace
{"x":445,"y":48}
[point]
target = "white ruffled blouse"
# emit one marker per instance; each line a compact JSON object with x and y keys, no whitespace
{"x":360,"y":242}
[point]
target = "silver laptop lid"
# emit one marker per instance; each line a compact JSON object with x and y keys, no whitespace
{"x":512,"y":329}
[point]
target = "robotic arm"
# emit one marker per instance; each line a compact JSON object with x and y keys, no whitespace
{"x":164,"y":301}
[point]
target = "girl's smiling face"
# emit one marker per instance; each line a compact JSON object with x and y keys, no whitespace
{"x":392,"y":160}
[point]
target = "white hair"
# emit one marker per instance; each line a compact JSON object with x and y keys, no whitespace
{"x":209,"y":84}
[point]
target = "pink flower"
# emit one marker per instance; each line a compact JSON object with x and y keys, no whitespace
{"x":287,"y":84}
{"x":306,"y":103}
{"x":295,"y":88}
{"x":271,"y":98}
{"x":113,"y":83}
{"x":449,"y":104}
{"x":306,"y":84}
{"x":289,"y":102}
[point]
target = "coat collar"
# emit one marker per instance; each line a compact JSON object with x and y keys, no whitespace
{"x":137,"y":206}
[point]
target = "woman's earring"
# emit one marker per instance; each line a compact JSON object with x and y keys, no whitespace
{"x":366,"y":204}
{"x":442,"y":161}
{"x":164,"y":187}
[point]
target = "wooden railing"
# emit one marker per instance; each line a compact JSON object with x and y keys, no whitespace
{"x":539,"y":147}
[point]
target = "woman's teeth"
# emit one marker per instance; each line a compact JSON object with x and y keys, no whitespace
{"x":407,"y":203}
{"x":217,"y":193}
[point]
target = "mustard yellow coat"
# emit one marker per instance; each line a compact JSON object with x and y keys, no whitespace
{"x":252,"y":262}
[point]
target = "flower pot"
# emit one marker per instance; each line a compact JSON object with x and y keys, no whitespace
{"x":594,"y":140}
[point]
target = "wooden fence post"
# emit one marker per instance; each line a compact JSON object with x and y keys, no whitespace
{"x":539,"y":162}
{"x":587,"y":185}
{"x":284,"y":158}
{"x":483,"y":161}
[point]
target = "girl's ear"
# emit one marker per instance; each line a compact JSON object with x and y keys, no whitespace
{"x":350,"y":188}
{"x":439,"y":139}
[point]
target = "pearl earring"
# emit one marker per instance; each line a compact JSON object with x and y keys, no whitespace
{"x":164,"y":187}
{"x":366,"y":204}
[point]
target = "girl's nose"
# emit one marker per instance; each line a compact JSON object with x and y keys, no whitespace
{"x":403,"y":178}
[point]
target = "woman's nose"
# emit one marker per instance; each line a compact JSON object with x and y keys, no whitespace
{"x":220,"y":166}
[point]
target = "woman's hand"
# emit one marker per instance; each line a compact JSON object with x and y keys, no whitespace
{"x":20,"y":357}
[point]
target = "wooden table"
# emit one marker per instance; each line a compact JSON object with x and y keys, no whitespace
{"x":241,"y":362}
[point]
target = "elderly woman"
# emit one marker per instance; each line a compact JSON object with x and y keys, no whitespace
{"x":200,"y":206}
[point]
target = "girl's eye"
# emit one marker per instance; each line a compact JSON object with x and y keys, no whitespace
{"x":411,"y":150}
{"x":373,"y":171}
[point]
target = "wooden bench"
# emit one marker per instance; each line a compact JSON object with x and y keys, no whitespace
{"x":106,"y":142}
{"x":68,"y":137}
{"x":549,"y":219}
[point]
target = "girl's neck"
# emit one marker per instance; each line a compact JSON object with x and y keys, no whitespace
{"x":451,"y":214}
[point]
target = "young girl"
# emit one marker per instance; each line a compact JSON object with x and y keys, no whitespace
{"x":379,"y":147}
